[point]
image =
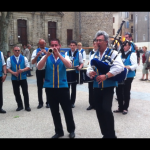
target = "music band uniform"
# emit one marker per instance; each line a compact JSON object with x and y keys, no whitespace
{"x":57,"y":91}
{"x":103,"y":95}
{"x":76,"y":59}
{"x":40,"y":75}
{"x":14,"y":63}
{"x":123,"y":90}
{"x":2,"y":63}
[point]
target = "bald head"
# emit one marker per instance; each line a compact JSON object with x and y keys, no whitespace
{"x":42,"y":43}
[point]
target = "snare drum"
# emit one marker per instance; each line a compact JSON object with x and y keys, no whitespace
{"x":71,"y":75}
{"x":83,"y":77}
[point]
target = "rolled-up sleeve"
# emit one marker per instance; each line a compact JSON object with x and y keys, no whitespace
{"x":133,"y":59}
{"x":89,"y":68}
{"x":84,"y":55}
{"x":33,"y":55}
{"x":3,"y":61}
{"x":8,"y":63}
{"x":80,"y":58}
{"x":118,"y":65}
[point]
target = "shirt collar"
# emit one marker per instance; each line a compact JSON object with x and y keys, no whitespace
{"x":16,"y":56}
{"x":128,"y":51}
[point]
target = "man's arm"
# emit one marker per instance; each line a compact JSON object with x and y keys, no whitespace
{"x":35,"y":56}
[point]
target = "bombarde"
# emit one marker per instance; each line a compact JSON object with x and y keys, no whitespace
{"x":50,"y":50}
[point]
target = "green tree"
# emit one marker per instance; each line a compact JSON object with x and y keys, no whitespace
{"x":4,"y":23}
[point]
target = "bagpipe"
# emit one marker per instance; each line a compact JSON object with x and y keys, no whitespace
{"x":104,"y":65}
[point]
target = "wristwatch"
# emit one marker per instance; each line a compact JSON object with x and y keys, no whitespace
{"x":106,"y":76}
{"x":5,"y":74}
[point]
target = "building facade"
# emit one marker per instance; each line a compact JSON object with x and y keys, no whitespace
{"x":29,"y":27}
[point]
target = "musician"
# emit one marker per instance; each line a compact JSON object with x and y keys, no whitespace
{"x":40,"y":74}
{"x":56,"y":86}
{"x":17,"y":65}
{"x":90,"y":84}
{"x":82,"y":51}
{"x":129,"y":59}
{"x":104,"y":87}
{"x":128,"y":36}
{"x":77,"y":62}
{"x":3,"y":74}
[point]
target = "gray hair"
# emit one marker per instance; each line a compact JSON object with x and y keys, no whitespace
{"x":106,"y":36}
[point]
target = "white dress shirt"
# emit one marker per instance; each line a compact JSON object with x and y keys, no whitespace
{"x":115,"y":69}
{"x":92,"y":54}
{"x":80,"y":57}
{"x":84,"y":54}
{"x":33,"y":56}
{"x":133,"y":59}
{"x":66,"y":57}
{"x":17,"y":59}
{"x":3,"y":61}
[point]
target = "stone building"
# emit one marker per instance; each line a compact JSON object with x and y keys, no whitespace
{"x":29,"y":27}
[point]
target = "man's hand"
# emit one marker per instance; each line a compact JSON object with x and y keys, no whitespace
{"x":78,"y":68}
{"x":56,"y":52}
{"x":100,"y":78}
{"x":92,"y":74}
{"x":39,"y":53}
{"x":20,"y":71}
{"x":43,"y":50}
{"x":3,"y":78}
{"x":128,"y":67}
{"x":15,"y":74}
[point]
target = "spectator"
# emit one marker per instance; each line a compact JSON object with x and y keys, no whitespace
{"x":144,"y":70}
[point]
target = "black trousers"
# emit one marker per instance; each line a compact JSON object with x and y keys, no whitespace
{"x":124,"y":94}
{"x":40,"y":76}
{"x":73,"y":89}
{"x":1,"y":93}
{"x":103,"y":103}
{"x":16,"y":88}
{"x":91,"y":95}
{"x":60,"y":96}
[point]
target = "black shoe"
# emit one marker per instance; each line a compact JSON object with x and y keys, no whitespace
{"x":19,"y":108}
{"x":47,"y":106}
{"x":90,"y":107}
{"x":124,"y":112}
{"x":56,"y":136}
{"x":72,"y":135}
{"x":72,"y":106}
{"x":29,"y":75}
{"x":39,"y":106}
{"x":2,"y":111}
{"x":28,"y":109}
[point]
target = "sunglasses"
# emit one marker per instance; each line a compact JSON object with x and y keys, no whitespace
{"x":16,"y":50}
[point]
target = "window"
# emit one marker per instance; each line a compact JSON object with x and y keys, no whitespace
{"x":131,"y":29}
{"x":113,"y":19}
{"x":126,"y":24}
{"x":113,"y":31}
{"x":69,"y":36}
{"x":126,"y":14}
{"x":131,"y":16}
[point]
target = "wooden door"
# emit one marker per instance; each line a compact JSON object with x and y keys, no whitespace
{"x":51,"y":30}
{"x":22,"y":31}
{"x":69,"y":36}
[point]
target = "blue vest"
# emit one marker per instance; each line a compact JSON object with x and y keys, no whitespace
{"x":75,"y":60}
{"x":127,"y":62}
{"x":55,"y":75}
{"x":133,"y":47}
{"x":107,"y":82}
{"x":82,"y":50}
{"x":16,"y":66}
{"x":1,"y":66}
{"x":38,"y":59}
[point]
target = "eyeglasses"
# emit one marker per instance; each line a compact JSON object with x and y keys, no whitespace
{"x":16,"y":50}
{"x":99,"y":40}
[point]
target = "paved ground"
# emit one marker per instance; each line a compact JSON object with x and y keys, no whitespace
{"x":39,"y":124}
